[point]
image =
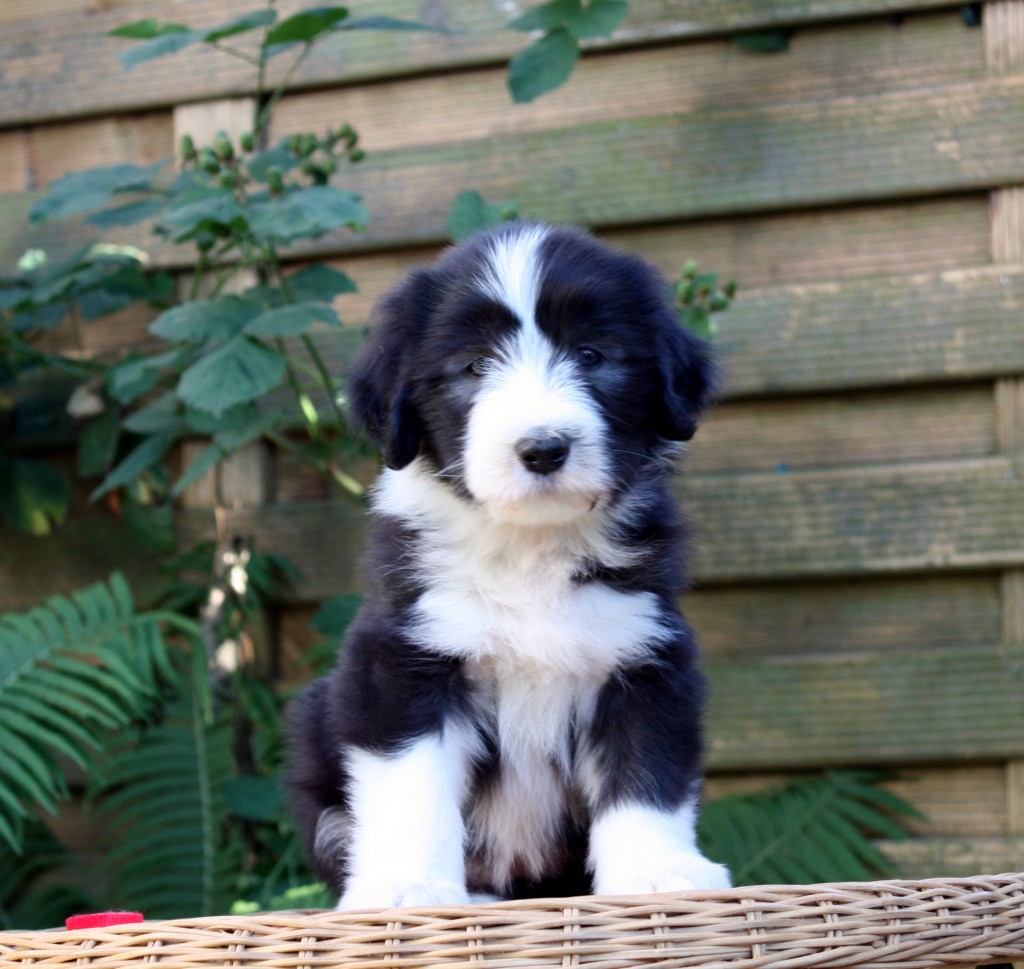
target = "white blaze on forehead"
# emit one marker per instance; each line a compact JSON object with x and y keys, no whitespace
{"x":512,"y":273}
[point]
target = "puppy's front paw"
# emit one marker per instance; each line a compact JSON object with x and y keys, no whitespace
{"x":365,"y":893}
{"x":677,"y":873}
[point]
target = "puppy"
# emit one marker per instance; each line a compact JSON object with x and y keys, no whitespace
{"x":516,"y":710}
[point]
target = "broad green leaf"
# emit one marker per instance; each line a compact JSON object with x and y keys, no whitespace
{"x":598,"y":19}
{"x":254,"y":798}
{"x":291,"y":320}
{"x":131,"y":213}
{"x":151,"y":525}
{"x":142,"y":457}
{"x":543,"y":66}
{"x":202,"y":463}
{"x":239,"y":370}
{"x":202,"y":320}
{"x":133,"y":377}
{"x":34,"y":495}
{"x":319,"y":282}
{"x":159,"y":417}
{"x":470,"y":213}
{"x":91,"y":189}
{"x":547,"y":16}
{"x":217,"y":208}
{"x":301,"y":28}
{"x":234,"y":417}
{"x":233,"y":438}
{"x":306,"y":214}
{"x":388,"y":23}
{"x":147,"y":29}
{"x":160,"y":46}
{"x":97,"y":443}
{"x":334,"y":615}
{"x":240,"y":24}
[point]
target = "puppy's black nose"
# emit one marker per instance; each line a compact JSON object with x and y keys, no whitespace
{"x":543,"y":455}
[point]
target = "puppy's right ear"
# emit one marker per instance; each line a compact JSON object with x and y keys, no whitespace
{"x":380,"y":390}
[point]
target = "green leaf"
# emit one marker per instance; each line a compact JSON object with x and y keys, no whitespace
{"x":131,"y":213}
{"x":64,"y":680}
{"x":306,"y":26}
{"x":34,"y":495}
{"x":291,"y":320}
{"x":204,"y":423}
{"x":765,"y":41}
{"x":334,"y":615}
{"x":152,"y":525}
{"x":214,"y":209}
{"x":203,"y":320}
{"x":306,"y":214}
{"x":142,"y":457}
{"x":159,"y":46}
{"x":599,"y":19}
{"x":91,"y":189}
{"x":470,"y":213}
{"x":388,"y":23}
{"x":203,"y":462}
{"x":97,"y":443}
{"x":319,"y":283}
{"x":254,"y":798}
{"x":239,"y":370}
{"x":160,"y":416}
{"x":543,"y":66}
{"x":240,"y":25}
{"x":147,"y":29}
{"x":137,"y":375}
{"x":547,"y":16}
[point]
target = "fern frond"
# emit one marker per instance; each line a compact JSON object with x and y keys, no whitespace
{"x":71,"y":670}
{"x":811,"y":830}
{"x":30,"y":897}
{"x":165,"y":797}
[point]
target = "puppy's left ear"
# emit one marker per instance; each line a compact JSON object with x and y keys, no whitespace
{"x":688,"y":377}
{"x":380,"y":390}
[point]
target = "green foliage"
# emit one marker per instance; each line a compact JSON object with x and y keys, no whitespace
{"x":164,"y":794}
{"x":71,"y":670}
{"x":812,"y":830}
{"x":698,"y":296}
{"x":549,"y":61}
{"x":31,"y":897}
{"x":470,"y":213}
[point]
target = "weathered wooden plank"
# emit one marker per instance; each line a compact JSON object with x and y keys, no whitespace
{"x":799,"y":618}
{"x":85,"y":550}
{"x":63,"y":65}
{"x":966,"y":514}
{"x":954,"y":139}
{"x":847,"y":60}
{"x":873,"y":332}
{"x":942,"y":140}
{"x":805,"y":432}
{"x":955,"y":857}
{"x":14,"y":161}
{"x":55,"y":150}
{"x":865,"y":709}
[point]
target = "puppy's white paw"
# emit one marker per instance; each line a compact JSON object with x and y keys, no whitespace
{"x":678,"y":873}
{"x":365,"y":893}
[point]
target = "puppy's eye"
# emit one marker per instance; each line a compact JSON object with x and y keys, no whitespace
{"x":477,"y":367}
{"x":588,"y":356}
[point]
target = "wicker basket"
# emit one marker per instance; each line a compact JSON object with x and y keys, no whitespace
{"x":961,"y":922}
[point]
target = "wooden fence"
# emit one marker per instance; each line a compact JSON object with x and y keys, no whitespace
{"x":858,"y":499}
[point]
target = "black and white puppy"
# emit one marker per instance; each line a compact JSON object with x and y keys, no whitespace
{"x":516,"y":711}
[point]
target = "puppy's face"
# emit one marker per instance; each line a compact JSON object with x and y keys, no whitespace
{"x":535,"y":371}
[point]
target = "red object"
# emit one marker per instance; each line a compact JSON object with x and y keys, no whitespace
{"x":100,"y":920}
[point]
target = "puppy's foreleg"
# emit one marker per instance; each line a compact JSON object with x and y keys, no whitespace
{"x":635,"y":849}
{"x":407,"y":845}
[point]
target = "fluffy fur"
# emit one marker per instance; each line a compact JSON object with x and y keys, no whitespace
{"x":517,"y":707}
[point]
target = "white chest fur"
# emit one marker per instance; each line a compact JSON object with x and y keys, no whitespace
{"x":537,"y":643}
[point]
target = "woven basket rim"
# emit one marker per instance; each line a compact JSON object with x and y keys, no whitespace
{"x":907,"y":924}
